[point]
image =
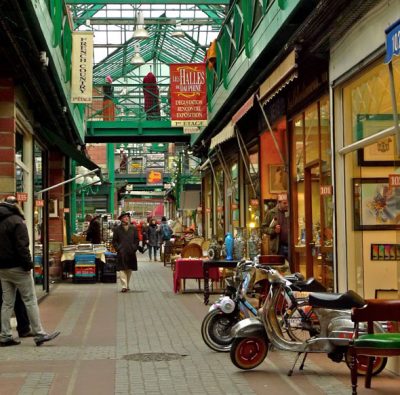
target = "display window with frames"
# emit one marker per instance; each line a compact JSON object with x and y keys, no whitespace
{"x":371,"y":201}
{"x":312,"y":192}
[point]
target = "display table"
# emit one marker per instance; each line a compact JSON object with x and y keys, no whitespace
{"x":208,"y":267}
{"x":187,"y":268}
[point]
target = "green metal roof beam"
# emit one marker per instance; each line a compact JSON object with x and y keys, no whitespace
{"x":217,"y":17}
{"x":194,"y":2}
{"x":81,"y":18}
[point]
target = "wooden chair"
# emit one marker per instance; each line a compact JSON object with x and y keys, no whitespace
{"x":191,"y":251}
{"x":373,"y":344}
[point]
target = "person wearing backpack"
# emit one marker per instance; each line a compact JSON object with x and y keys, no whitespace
{"x":166,"y":232}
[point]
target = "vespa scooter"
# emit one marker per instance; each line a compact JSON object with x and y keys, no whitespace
{"x":301,"y":322}
{"x":234,"y":306}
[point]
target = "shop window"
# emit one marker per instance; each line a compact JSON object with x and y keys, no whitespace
{"x":367,"y":110}
{"x":312,"y":187}
{"x":208,"y":207}
{"x":219,"y":193}
{"x":252,"y":191}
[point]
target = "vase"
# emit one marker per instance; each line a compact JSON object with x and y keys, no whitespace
{"x":229,"y":246}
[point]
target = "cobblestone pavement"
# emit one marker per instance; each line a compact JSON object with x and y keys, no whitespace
{"x":148,"y":341}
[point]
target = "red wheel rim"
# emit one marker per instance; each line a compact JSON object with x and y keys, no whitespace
{"x":362,"y":364}
{"x":251,"y":352}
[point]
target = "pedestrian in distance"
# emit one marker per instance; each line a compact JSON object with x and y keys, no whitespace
{"x":16,"y":273}
{"x":165,"y":232}
{"x":153,"y":238}
{"x":126,"y":242}
{"x":276,"y":225}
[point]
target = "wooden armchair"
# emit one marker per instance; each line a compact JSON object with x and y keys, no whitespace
{"x":373,"y":345}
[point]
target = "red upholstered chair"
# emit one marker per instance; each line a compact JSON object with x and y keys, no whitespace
{"x":373,"y":345}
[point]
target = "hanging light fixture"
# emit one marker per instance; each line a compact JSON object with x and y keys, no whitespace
{"x":140,"y":32}
{"x":137,"y":58}
{"x":178,"y":32}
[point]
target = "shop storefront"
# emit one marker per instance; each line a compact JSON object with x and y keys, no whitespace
{"x":368,"y":200}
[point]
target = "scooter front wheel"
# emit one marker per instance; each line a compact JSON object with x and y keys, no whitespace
{"x":247,"y":353}
{"x":362,"y":364}
{"x":216,"y":330}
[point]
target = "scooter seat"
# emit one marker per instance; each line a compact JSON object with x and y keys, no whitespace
{"x":337,"y":301}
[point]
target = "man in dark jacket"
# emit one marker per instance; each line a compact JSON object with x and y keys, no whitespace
{"x":16,"y":273}
{"x":276,"y":225}
{"x":126,"y":243}
{"x":93,"y":233}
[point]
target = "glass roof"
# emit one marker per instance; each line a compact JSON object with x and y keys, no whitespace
{"x":114,"y":22}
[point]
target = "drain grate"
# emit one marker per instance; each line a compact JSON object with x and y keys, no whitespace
{"x":153,"y":356}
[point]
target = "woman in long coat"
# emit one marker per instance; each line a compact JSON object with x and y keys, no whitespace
{"x":152,"y":238}
{"x":126,"y":243}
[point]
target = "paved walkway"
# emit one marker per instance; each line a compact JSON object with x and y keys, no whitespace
{"x":148,"y":341}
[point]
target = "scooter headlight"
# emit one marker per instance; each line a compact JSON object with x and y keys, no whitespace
{"x":227,"y":305}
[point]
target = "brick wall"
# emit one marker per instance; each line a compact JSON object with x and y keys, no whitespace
{"x":98,"y":153}
{"x":7,"y":137}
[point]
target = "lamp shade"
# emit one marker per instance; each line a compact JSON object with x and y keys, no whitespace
{"x":178,"y":32}
{"x":137,"y":58}
{"x":140,"y":32}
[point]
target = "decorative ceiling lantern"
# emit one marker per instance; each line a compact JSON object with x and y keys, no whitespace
{"x":140,"y":32}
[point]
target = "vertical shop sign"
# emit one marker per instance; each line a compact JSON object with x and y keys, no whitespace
{"x":188,"y":94}
{"x":82,"y":67}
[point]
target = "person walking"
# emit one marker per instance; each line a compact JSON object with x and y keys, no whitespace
{"x":126,"y":243}
{"x":166,"y":233}
{"x":16,"y":273}
{"x":152,"y":237}
{"x":276,"y":225}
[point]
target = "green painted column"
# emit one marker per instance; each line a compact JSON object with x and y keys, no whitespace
{"x":72,"y":203}
{"x":111,"y":178}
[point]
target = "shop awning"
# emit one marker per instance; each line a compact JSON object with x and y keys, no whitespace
{"x":284,"y":74}
{"x":225,"y":134}
{"x":243,"y":110}
{"x":68,"y":149}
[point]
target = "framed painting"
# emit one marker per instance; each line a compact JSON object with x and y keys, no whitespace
{"x":376,"y":205}
{"x":382,"y":152}
{"x":53,"y":208}
{"x":277,"y":179}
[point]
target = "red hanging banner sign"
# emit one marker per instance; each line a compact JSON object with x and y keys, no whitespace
{"x":188,"y":94}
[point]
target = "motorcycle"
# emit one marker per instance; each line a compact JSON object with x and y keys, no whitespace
{"x":302,"y":322}
{"x":234,"y":306}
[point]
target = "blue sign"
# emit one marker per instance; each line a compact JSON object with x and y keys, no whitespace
{"x":392,"y":41}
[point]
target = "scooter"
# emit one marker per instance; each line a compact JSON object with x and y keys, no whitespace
{"x":301,"y":322}
{"x":234,"y":305}
{"x":228,"y":310}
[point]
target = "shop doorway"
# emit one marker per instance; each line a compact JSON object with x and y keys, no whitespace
{"x":318,"y":255}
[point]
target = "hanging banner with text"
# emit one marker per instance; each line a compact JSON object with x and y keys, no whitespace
{"x":188,"y":94}
{"x":82,"y":67}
